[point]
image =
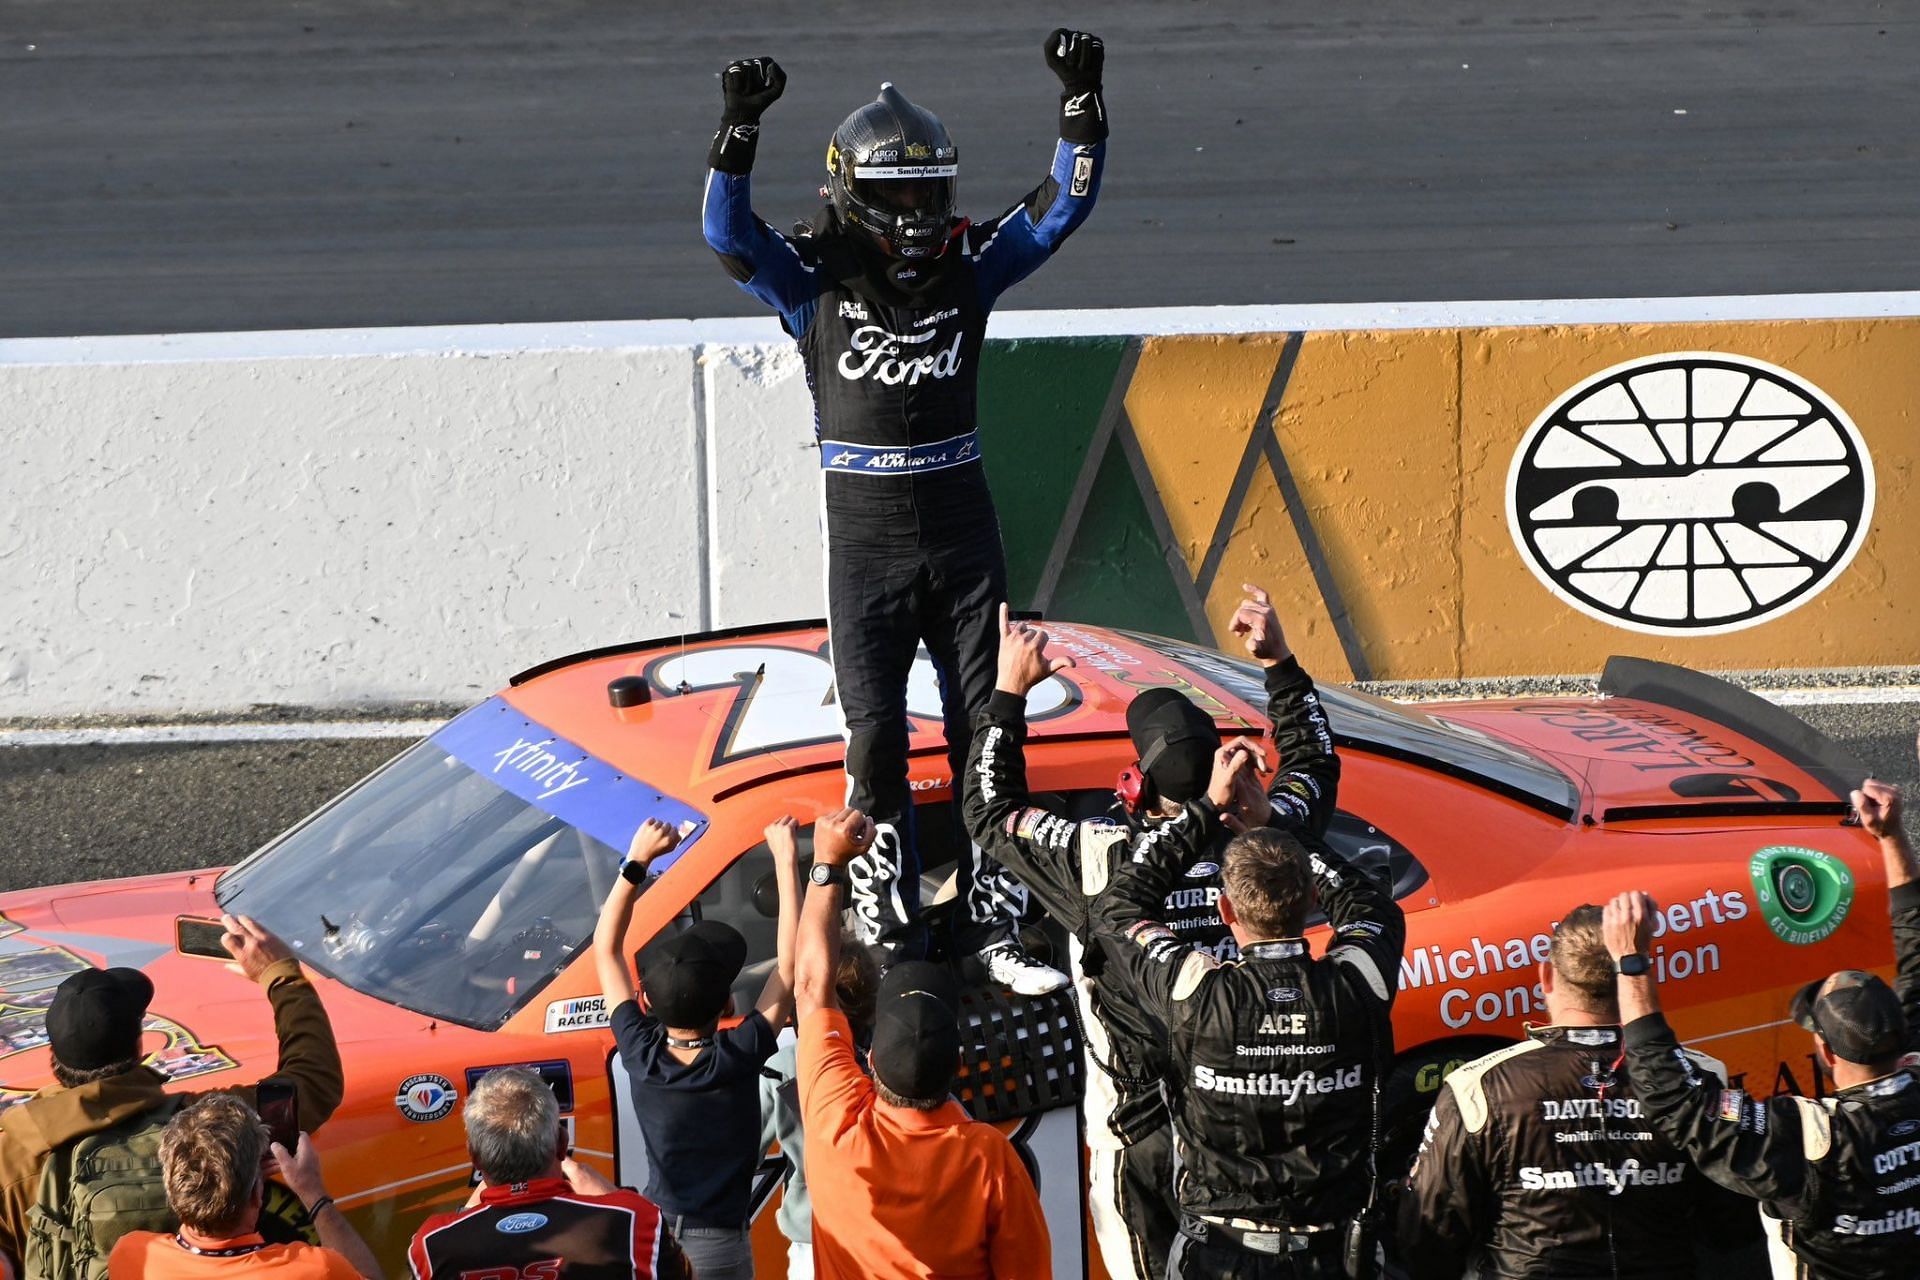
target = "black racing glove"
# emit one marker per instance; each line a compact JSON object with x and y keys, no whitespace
{"x":749,"y":87}
{"x":1078,"y":58}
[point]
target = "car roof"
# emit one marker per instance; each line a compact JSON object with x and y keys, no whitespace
{"x":731,"y":710}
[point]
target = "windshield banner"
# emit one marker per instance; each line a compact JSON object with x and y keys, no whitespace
{"x":501,"y":745}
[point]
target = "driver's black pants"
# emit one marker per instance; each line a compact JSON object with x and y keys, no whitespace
{"x":885,"y":598}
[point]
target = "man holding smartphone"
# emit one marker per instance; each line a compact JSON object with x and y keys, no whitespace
{"x":103,"y":1087}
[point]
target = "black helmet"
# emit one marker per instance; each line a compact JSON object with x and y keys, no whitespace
{"x":891,"y":169}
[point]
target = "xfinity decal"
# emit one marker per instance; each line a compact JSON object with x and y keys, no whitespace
{"x":558,"y":776}
{"x":1692,"y":493}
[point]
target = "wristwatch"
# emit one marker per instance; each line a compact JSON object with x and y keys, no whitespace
{"x":633,"y":872}
{"x":825,"y":873}
{"x":1633,"y":966}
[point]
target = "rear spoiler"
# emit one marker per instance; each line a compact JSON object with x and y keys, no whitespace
{"x":1715,"y":700}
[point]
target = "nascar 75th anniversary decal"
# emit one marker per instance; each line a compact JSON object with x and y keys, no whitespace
{"x":1692,"y":493}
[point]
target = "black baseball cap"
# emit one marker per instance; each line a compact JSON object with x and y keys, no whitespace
{"x":1174,"y":741}
{"x":688,"y":975}
{"x":1859,"y":1016}
{"x":916,"y":1030}
{"x":96,"y":1017}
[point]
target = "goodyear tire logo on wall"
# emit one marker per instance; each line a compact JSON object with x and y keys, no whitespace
{"x":1804,"y":894}
{"x":1691,"y":493}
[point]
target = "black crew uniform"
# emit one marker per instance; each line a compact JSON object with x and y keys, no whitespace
{"x":1841,"y":1172}
{"x":1065,"y":864}
{"x":892,"y":357}
{"x":1539,"y":1161}
{"x":1272,"y":1064}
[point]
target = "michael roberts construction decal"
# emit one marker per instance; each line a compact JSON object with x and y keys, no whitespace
{"x":1692,"y":493}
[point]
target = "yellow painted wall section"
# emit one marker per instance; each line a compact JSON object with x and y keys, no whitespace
{"x":1193,"y":403}
{"x":1368,"y":428}
{"x":1264,"y":550}
{"x":1513,"y":625}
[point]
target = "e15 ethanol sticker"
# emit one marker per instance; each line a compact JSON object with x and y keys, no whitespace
{"x":1804,"y":894}
{"x":1690,"y":494}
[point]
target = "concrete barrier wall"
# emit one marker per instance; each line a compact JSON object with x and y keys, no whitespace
{"x":203,"y":522}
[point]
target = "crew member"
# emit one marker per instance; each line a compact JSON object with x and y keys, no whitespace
{"x":1842,"y":1172}
{"x":1184,"y":791}
{"x":1275,"y":1058}
{"x":538,"y":1212}
{"x":887,"y":295}
{"x":1539,"y":1159}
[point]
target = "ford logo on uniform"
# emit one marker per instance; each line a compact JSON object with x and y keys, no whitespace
{"x":1903,"y":1128}
{"x":1201,"y":870}
{"x":518,"y":1224}
{"x":1283,"y":995}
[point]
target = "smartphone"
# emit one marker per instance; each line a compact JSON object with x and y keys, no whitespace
{"x":198,"y":936}
{"x":279,"y":1110}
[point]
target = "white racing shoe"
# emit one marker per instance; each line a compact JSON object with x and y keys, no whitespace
{"x":1019,"y":972}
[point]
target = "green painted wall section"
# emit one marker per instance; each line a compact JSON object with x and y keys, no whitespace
{"x":1040,"y":404}
{"x":1116,"y":573}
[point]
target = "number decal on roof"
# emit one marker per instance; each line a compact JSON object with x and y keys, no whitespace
{"x":785,"y":697}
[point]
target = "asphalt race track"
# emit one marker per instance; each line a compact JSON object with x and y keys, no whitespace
{"x":80,"y":813}
{"x":235,"y":165}
{"x":232,"y":165}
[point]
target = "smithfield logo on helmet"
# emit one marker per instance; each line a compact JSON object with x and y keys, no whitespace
{"x":1693,"y":493}
{"x":891,"y":171}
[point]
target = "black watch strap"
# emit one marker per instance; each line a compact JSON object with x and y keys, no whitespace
{"x":1634,"y":966}
{"x":825,"y":873}
{"x":633,"y":872}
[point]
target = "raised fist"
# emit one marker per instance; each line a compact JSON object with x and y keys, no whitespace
{"x":749,"y":87}
{"x":1077,"y":57}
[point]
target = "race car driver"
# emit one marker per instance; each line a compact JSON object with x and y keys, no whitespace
{"x":1186,"y":790}
{"x":1539,"y":1160}
{"x":1274,"y":1058}
{"x":1842,"y":1172}
{"x":887,"y":295}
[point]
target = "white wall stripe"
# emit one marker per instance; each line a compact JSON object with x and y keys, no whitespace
{"x":494,"y":339}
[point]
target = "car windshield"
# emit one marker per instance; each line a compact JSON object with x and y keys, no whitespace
{"x":461,"y":877}
{"x":1394,"y":729}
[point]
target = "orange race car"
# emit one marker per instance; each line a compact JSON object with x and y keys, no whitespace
{"x":445,"y":902}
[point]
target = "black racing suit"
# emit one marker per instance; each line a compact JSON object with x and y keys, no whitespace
{"x":1842,"y":1172}
{"x":1539,"y":1161}
{"x":1066,"y":863}
{"x":1272,"y":1062}
{"x":892,"y":355}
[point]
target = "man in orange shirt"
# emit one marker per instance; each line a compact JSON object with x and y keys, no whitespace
{"x":904,"y":1182}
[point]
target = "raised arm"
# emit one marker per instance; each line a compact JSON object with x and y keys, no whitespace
{"x":309,"y":1054}
{"x":1126,"y":925}
{"x":1369,"y":929}
{"x":760,"y":259}
{"x":838,"y":838}
{"x":1756,"y":1148}
{"x":1880,"y":813}
{"x":776,"y":998}
{"x":1060,"y":861}
{"x":1012,"y":246}
{"x":1303,"y":793}
{"x":653,"y":839}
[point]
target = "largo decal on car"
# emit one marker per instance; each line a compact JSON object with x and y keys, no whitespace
{"x":1690,"y":493}
{"x":1804,"y":894}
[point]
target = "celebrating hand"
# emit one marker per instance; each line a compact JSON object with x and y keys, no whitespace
{"x":841,"y":836}
{"x":1626,"y":924}
{"x":783,"y":841}
{"x":1878,"y":805}
{"x":1077,"y":57}
{"x":651,"y":841}
{"x":1023,"y":656}
{"x":1259,"y":625}
{"x":749,"y":87}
